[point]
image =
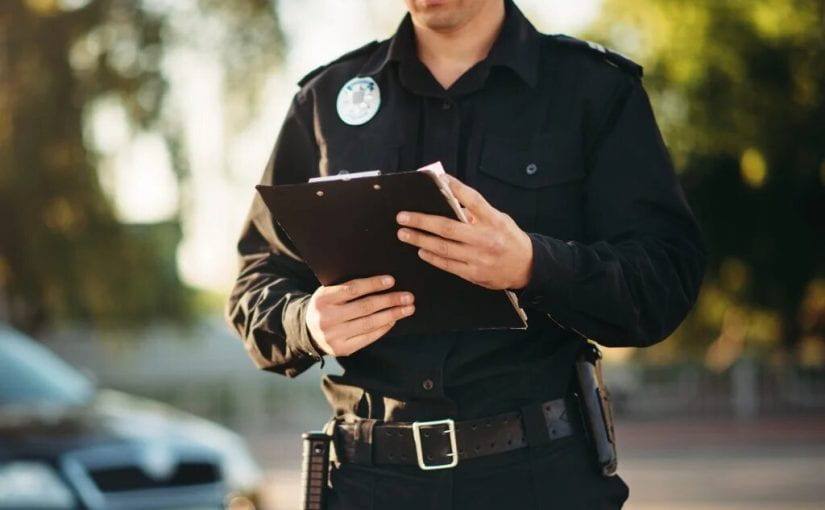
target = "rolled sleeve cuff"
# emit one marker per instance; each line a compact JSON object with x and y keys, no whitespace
{"x":298,"y":336}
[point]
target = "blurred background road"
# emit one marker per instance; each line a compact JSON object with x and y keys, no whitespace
{"x":132,"y":133}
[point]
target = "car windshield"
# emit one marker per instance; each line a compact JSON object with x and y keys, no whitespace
{"x":31,"y":375}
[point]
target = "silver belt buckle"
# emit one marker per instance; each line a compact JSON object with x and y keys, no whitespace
{"x":416,"y":427}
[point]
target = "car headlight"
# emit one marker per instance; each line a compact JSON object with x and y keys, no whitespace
{"x":33,"y":485}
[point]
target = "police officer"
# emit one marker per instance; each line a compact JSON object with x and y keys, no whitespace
{"x":574,"y":205}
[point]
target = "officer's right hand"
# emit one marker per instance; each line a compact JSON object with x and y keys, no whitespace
{"x":343,"y":319}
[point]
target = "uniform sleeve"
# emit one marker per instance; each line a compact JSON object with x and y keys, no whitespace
{"x":638,"y":271}
{"x":269,"y":299}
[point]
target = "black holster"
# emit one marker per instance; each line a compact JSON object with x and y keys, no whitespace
{"x":594,"y":403}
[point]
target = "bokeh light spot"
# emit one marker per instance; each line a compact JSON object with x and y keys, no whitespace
{"x":753,"y":167}
{"x":45,"y":7}
{"x":60,"y":216}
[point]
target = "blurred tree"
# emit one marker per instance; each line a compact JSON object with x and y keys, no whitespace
{"x":63,"y":253}
{"x":739,"y":89}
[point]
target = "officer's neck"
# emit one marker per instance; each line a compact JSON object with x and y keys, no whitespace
{"x":449,"y":53}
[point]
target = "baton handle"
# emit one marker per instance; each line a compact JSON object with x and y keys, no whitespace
{"x":314,"y":470}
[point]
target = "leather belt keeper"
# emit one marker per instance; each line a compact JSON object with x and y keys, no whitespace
{"x":395,"y":443}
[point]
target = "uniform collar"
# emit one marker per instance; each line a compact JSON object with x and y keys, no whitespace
{"x":516,"y":48}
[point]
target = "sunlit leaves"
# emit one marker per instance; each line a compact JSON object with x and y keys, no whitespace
{"x":739,"y":90}
{"x":43,"y":7}
{"x":784,"y":19}
{"x":63,"y":253}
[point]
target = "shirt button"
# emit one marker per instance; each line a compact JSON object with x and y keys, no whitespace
{"x":446,"y":105}
{"x":427,"y":384}
{"x":531,"y":169}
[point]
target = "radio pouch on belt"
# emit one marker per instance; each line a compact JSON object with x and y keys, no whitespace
{"x":595,"y":407}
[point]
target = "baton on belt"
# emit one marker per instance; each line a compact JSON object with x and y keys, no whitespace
{"x":315,"y":470}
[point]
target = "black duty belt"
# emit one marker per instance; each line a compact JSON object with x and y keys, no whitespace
{"x":441,"y":444}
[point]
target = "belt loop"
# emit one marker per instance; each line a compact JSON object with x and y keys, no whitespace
{"x":364,"y":442}
{"x":335,"y":453}
{"x":375,"y":405}
{"x":535,"y":425}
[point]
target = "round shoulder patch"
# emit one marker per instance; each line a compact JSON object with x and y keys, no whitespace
{"x":358,"y":101}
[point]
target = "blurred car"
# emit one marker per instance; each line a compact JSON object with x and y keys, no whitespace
{"x":65,"y":444}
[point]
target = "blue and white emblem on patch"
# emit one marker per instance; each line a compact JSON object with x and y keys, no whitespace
{"x":358,"y":101}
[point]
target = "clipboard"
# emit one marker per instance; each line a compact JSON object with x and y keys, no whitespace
{"x":344,"y":227}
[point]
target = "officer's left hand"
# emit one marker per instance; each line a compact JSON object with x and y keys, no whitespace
{"x":490,"y":250}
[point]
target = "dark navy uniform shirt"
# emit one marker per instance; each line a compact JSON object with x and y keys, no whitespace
{"x":555,"y":132}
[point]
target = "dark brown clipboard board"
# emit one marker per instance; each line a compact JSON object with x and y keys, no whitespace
{"x":346,"y":229}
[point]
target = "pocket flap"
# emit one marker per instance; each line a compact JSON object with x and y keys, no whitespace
{"x":529,"y":164}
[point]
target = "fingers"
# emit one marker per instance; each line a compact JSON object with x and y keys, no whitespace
{"x":439,"y":225}
{"x":345,"y":318}
{"x":370,"y":304}
{"x":456,"y":267}
{"x":470,"y":218}
{"x":355,"y":289}
{"x":373,"y":317}
{"x":474,"y":206}
{"x":438,"y":245}
{"x":362,"y":325}
{"x":470,"y":198}
{"x":358,"y":342}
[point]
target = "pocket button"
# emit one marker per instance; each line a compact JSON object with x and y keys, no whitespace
{"x":532,"y":168}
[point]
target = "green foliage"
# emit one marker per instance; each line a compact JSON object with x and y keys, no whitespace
{"x":63,"y":253}
{"x":739,"y":89}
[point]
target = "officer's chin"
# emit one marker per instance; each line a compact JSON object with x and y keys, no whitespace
{"x":437,"y":15}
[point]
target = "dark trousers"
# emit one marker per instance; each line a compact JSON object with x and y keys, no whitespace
{"x":558,"y":476}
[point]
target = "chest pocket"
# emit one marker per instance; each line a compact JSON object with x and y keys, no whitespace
{"x":537,"y":181}
{"x":361,"y":154}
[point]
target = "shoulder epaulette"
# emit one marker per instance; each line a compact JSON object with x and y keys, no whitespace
{"x":611,"y":57}
{"x":351,"y":54}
